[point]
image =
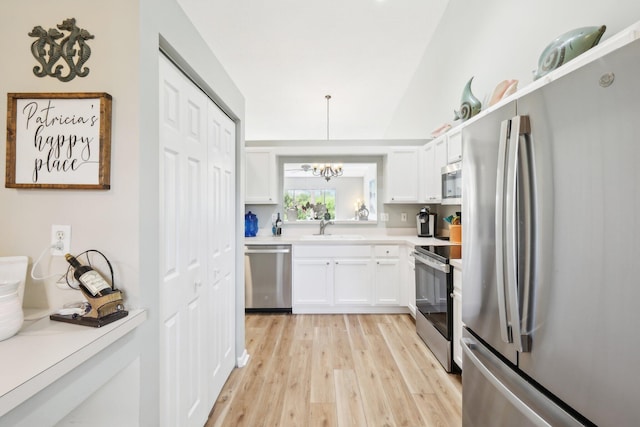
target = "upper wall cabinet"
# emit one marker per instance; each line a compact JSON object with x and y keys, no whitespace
{"x":401,"y":175}
{"x":434,"y":158}
{"x":454,"y":147}
{"x":261,"y":176}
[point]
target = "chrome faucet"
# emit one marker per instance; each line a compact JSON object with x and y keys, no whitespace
{"x":323,"y":225}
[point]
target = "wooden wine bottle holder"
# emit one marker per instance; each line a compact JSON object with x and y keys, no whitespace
{"x":104,"y":310}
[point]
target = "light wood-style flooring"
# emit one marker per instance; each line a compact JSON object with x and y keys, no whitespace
{"x":337,"y":370}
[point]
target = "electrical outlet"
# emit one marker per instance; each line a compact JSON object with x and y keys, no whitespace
{"x":403,"y":217}
{"x":60,"y":239}
{"x":384,"y":216}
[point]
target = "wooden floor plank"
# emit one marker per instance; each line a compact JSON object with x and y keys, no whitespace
{"x":356,"y":334}
{"x":411,"y":372}
{"x":348,"y":399}
{"x":270,"y":403}
{"x":322,"y":367}
{"x":295,"y":411}
{"x":376,"y":406}
{"x":403,"y":407}
{"x":381,"y":372}
{"x":323,"y":415}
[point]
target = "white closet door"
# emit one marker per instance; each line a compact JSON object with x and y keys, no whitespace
{"x":185,"y":224}
{"x":221,"y":254}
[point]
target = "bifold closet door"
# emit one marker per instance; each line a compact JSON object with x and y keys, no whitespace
{"x":197,"y":308}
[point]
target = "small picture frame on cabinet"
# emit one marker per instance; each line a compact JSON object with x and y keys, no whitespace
{"x":58,"y":140}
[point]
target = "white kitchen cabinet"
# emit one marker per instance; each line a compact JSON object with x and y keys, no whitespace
{"x":387,"y":283}
{"x":261,"y":176}
{"x":434,"y":157}
{"x":313,"y":281}
{"x":401,"y":175}
{"x":430,"y":190}
{"x":454,"y":147}
{"x":347,"y":279}
{"x":327,"y":275}
{"x":457,"y":316}
{"x":352,"y":281}
{"x":410,"y":282}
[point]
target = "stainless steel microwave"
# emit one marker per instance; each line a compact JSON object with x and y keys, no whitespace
{"x":452,"y":184}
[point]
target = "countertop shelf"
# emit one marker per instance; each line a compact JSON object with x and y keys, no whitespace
{"x":44,"y":350}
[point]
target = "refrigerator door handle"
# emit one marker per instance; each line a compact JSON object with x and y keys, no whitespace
{"x":505,"y":330}
{"x":510,"y":224}
{"x":474,"y":352}
{"x":535,"y":407}
{"x":519,"y":126}
{"x":524,"y":220}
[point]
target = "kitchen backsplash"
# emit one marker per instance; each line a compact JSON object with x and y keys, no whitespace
{"x":395,"y":211}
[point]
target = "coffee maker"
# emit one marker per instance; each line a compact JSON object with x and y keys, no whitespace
{"x":426,"y":223}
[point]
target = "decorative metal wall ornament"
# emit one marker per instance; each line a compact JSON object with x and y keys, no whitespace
{"x":72,"y":49}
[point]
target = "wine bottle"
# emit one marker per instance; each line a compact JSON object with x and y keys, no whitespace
{"x":278,"y":225}
{"x":89,"y":279}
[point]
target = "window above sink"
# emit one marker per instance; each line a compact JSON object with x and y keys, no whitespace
{"x":352,"y":196}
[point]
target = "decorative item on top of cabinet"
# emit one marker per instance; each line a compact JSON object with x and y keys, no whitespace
{"x":502,"y":90}
{"x":566,"y":47}
{"x":440,"y":130}
{"x":469,"y":104}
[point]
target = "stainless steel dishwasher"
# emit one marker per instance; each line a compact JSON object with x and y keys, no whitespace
{"x":267,"y":278}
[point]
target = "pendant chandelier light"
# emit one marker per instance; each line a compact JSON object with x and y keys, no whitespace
{"x":328,"y":170}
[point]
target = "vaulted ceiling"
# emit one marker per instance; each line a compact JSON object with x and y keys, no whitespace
{"x":286,"y":55}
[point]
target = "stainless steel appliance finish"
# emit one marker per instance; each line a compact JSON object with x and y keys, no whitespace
{"x":267,"y":278}
{"x":434,"y":302}
{"x":452,"y":184}
{"x":550,"y":279}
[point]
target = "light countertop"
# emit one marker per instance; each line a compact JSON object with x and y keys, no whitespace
{"x":44,"y":350}
{"x":335,"y":239}
{"x":362,"y":239}
{"x":456,"y":263}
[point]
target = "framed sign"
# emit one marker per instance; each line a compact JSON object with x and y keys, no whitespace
{"x":58,"y":140}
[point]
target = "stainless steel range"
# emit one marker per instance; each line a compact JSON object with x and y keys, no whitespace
{"x":434,"y":301}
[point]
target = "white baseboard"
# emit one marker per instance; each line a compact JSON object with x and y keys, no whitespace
{"x":243,"y":359}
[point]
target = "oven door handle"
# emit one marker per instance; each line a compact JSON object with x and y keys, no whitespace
{"x":440,"y":266}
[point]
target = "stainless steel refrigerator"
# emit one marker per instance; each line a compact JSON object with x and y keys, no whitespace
{"x":551,"y":260}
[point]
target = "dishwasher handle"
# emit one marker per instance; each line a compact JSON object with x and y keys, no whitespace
{"x":267,"y":251}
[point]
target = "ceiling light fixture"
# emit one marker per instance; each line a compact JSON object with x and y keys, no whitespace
{"x":327,"y":171}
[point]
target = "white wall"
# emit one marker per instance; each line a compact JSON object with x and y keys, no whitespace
{"x":123,"y":221}
{"x":493,"y":40}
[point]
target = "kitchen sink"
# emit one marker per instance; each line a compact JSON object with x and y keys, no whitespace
{"x":332,"y":237}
